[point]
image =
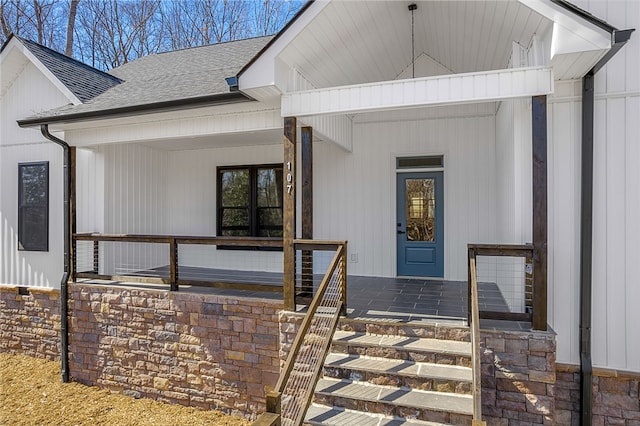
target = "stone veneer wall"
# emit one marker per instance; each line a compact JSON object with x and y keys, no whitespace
{"x":221,"y":352}
{"x":616,"y":397}
{"x":518,"y":377}
{"x":208,"y":351}
{"x":30,"y":324}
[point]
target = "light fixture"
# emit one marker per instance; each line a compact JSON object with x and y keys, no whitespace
{"x":412,"y":8}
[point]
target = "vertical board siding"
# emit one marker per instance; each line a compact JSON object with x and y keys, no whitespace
{"x":615,"y":225}
{"x":632,"y":232}
{"x":132,"y":188}
{"x":29,"y":93}
{"x":90,"y":191}
{"x":355,"y":194}
{"x":616,"y":209}
{"x":513,"y":190}
{"x":191,"y":187}
{"x":564,"y":226}
{"x":599,"y":278}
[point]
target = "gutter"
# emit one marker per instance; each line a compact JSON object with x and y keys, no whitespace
{"x":128,"y":111}
{"x":619,"y":38}
{"x":64,"y":291}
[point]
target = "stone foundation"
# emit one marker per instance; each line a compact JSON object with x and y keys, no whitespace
{"x":207,"y":351}
{"x":518,"y":377}
{"x":30,"y":323}
{"x":217,"y":352}
{"x":616,"y":399}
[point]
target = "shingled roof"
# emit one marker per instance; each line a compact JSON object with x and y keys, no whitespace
{"x":164,"y":78}
{"x":82,"y":80}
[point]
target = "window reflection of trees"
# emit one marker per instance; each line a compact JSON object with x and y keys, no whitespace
{"x":420,"y":209}
{"x":251,"y":201}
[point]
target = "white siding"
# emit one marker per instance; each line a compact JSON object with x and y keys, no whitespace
{"x":513,"y":189}
{"x":355,"y":193}
{"x":513,"y":172}
{"x":122,"y":190}
{"x":616,"y":290}
{"x":191,"y":203}
{"x":564,"y":224}
{"x":89,"y":191}
{"x":29,"y":93}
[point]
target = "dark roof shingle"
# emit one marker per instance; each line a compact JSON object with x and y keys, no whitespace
{"x":169,"y":76}
{"x":82,"y":80}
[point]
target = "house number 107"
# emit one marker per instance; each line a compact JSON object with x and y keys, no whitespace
{"x":289,"y":178}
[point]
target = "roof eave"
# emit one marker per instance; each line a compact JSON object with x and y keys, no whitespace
{"x":165,"y":106}
{"x":279,"y":34}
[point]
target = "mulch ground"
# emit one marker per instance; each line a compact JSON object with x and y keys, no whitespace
{"x":31,"y":393}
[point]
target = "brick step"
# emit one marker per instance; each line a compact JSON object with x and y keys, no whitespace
{"x":417,"y":349}
{"x":393,"y":401}
{"x":323,"y":415}
{"x":398,"y":372}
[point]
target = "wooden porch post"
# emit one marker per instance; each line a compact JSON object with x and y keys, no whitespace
{"x":72,"y":207}
{"x":289,"y":212}
{"x":539,"y":147}
{"x":306,"y":139}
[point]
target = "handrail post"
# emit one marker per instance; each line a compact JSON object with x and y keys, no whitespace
{"x":274,"y":402}
{"x":74,"y":258}
{"x":471,"y":254}
{"x":173,"y":264}
{"x":343,"y":260}
{"x":96,"y":257}
{"x":475,"y":341}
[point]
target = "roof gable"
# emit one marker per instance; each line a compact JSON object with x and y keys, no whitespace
{"x":80,"y":80}
{"x":338,"y":43}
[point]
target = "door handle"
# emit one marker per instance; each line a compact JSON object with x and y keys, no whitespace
{"x":401,"y":232}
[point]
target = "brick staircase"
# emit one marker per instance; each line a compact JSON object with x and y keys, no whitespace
{"x":395,"y":375}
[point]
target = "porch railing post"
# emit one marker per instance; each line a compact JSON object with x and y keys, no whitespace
{"x":72,"y":208}
{"x":306,"y":157}
{"x":173,"y":264}
{"x":96,"y":257}
{"x":344,"y":280}
{"x":539,"y":151}
{"x":289,"y":213}
{"x":471,"y":254}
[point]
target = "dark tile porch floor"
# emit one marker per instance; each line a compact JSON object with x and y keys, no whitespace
{"x":397,"y":300}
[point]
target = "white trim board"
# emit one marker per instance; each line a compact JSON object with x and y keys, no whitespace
{"x":427,"y":91}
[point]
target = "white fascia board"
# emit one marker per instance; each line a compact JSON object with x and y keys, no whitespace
{"x":571,"y":33}
{"x":16,"y":44}
{"x":448,"y":89}
{"x":262,"y":72}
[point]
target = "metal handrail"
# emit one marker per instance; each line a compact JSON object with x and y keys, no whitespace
{"x":315,"y":333}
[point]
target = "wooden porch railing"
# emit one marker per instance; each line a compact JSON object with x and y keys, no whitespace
{"x":174,"y":280}
{"x":503,"y":250}
{"x":287,"y":404}
{"x":474,"y":324}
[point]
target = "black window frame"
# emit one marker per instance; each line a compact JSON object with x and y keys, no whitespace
{"x":25,"y":243}
{"x":253,"y":208}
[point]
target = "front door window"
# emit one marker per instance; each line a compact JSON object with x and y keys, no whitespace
{"x":420,"y":211}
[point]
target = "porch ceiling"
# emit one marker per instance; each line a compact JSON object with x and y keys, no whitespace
{"x":265,"y":137}
{"x":357,"y":42}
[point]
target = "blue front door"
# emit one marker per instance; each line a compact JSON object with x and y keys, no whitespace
{"x":420,"y":227}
